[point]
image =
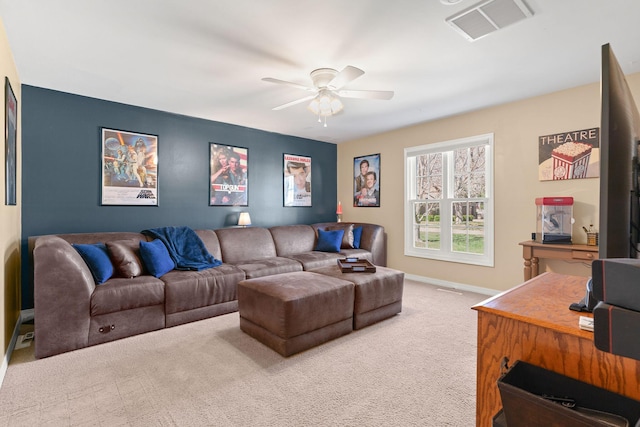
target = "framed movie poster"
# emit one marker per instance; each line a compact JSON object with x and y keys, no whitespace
{"x":228,"y":178}
{"x":297,"y":180}
{"x":10,"y":137}
{"x":366,"y":181}
{"x":129,"y":168}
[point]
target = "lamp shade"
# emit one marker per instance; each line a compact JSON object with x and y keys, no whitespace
{"x":339,"y":209}
{"x":325,"y":104}
{"x":244,"y":219}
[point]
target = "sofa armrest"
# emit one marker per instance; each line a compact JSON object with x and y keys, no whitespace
{"x":374,"y":240}
{"x":63,"y":286}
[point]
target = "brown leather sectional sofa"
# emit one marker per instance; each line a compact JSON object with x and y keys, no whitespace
{"x":72,"y":312}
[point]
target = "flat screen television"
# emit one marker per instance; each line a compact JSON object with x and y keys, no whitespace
{"x":619,"y":188}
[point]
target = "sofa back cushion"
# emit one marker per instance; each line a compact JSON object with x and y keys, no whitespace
{"x":293,"y":239}
{"x":89,"y":238}
{"x":245,"y":244}
{"x":211,"y":242}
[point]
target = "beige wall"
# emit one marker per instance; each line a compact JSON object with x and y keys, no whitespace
{"x":10,"y":222}
{"x":516,"y":128}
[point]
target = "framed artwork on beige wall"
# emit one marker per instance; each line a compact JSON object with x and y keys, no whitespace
{"x":569,"y":155}
{"x":366,"y":181}
{"x":10,"y":141}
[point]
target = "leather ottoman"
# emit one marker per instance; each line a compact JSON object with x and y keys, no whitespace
{"x":292,"y":312}
{"x":377,"y":295}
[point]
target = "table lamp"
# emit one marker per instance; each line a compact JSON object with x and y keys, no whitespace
{"x":339,"y":212}
{"x":244,"y":219}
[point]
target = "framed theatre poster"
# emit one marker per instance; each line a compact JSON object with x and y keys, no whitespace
{"x":129,"y":168}
{"x":569,"y":155}
{"x":297,"y":180}
{"x":366,"y":181}
{"x":228,"y":178}
{"x":10,"y":137}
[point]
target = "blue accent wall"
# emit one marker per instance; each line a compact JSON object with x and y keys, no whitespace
{"x":61,"y":171}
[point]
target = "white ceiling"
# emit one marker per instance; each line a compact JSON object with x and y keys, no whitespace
{"x":206,"y":58}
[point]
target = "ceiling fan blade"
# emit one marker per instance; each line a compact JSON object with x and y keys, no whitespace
{"x":283,"y":82}
{"x":366,"y":94}
{"x":345,"y":76}
{"x":297,"y":101}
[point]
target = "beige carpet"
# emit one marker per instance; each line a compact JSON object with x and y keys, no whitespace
{"x":415,"y":369}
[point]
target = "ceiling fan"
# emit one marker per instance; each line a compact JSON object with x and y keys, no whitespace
{"x":328,"y":88}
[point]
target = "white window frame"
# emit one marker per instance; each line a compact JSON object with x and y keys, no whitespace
{"x":444,"y":253}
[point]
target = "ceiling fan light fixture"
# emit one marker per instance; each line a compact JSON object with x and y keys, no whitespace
{"x":328,"y":88}
{"x":325,"y":104}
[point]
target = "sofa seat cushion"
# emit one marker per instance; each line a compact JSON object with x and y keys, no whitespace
{"x":316,"y":259}
{"x":119,"y":294}
{"x":269,"y":266}
{"x":187,"y":290}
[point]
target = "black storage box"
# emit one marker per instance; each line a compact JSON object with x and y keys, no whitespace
{"x":617,"y":282}
{"x":615,"y":330}
{"x":499,"y":421}
{"x":522,"y":389}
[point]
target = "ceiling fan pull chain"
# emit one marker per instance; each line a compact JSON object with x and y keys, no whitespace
{"x":325,"y":121}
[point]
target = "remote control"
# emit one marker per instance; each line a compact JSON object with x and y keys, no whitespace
{"x":586,"y":323}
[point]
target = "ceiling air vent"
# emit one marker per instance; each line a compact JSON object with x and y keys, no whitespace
{"x":488,"y":16}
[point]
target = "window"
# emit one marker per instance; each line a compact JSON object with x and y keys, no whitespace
{"x":449,"y":200}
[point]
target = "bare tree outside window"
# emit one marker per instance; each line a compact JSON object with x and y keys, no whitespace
{"x":469,"y":183}
{"x":429,"y":187}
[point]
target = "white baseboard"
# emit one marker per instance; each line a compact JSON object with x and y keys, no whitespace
{"x":452,"y":285}
{"x":25,"y":315}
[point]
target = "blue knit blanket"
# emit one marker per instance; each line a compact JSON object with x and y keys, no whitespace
{"x":185,"y":247}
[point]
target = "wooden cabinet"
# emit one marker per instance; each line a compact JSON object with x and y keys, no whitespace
{"x":532,"y":322}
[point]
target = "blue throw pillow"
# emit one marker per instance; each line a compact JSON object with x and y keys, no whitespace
{"x":97,"y":259}
{"x":357,"y":234}
{"x":156,"y":258}
{"x":329,"y":241}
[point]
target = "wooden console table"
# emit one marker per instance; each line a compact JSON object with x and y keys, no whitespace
{"x":532,"y":322}
{"x":533,"y":251}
